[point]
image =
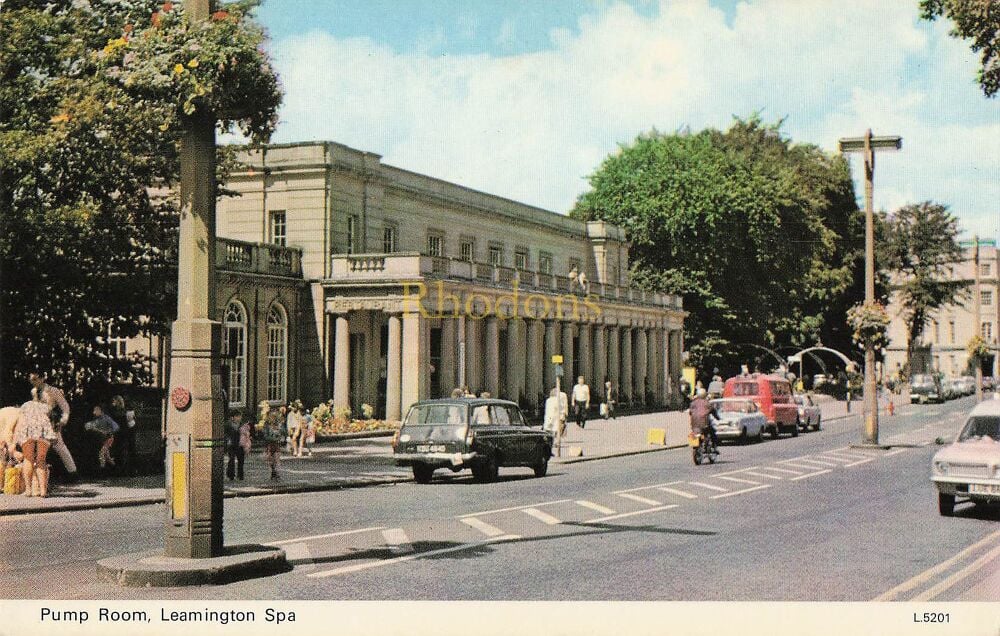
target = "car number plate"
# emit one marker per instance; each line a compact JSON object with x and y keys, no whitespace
{"x":431,"y":448}
{"x":985,"y":489}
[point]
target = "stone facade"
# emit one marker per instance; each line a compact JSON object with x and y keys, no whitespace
{"x":396,"y":286}
{"x":948,"y":330}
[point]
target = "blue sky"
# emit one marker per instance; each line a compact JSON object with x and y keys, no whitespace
{"x":524,"y":98}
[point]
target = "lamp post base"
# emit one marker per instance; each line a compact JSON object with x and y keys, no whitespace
{"x":153,"y":569}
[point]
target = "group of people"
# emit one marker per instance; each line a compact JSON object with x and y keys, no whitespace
{"x":557,"y":406}
{"x":289,"y":426}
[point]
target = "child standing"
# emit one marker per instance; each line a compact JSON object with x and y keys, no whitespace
{"x":234,"y":450}
{"x":103,"y":425}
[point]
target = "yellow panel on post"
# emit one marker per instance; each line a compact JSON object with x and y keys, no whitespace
{"x":178,"y":494}
{"x":657,"y":436}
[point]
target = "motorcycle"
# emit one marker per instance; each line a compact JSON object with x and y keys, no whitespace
{"x":702,"y":448}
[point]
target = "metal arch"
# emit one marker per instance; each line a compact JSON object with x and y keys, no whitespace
{"x":850,"y":364}
{"x":819,"y":360}
{"x":781,"y":361}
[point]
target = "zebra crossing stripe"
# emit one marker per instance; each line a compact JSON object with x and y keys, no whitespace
{"x":651,"y":502}
{"x":397,"y":541}
{"x":679,"y":493}
{"x":541,"y":516}
{"x":738,"y":480}
{"x":482,"y":526}
{"x":709,"y":486}
{"x":597,"y":507}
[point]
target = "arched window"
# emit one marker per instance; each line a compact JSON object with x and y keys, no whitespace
{"x":235,"y":332}
{"x":277,"y":353}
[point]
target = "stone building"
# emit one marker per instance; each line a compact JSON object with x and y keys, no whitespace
{"x":943,"y":345}
{"x":342,"y":277}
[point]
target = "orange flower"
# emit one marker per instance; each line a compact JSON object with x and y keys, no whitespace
{"x":168,"y":6}
{"x":220,"y":15}
{"x":156,"y":19}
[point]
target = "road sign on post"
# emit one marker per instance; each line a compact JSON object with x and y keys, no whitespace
{"x":557,"y":359}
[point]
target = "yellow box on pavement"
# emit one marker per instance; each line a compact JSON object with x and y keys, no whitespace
{"x":656,"y":436}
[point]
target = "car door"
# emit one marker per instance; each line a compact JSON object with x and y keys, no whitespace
{"x":506,"y":435}
{"x":528,"y":440}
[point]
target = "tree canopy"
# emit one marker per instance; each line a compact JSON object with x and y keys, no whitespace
{"x":91,"y":106}
{"x":979,"y":21}
{"x":762,"y":237}
{"x":921,"y":248}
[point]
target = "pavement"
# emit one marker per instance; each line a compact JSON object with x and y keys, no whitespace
{"x":365,"y":461}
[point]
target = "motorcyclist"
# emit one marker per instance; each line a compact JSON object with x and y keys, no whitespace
{"x":702,"y":413}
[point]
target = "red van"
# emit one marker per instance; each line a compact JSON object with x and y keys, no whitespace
{"x":773,"y":394}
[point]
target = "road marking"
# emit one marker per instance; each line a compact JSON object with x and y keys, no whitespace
{"x":896,"y":452}
{"x":763,"y":475}
{"x":358,"y":567}
{"x":821,"y":462}
{"x":736,"y":479}
{"x":927,"y":574}
{"x":837,"y":461}
{"x":482,"y":526}
{"x":299,"y":553}
{"x":806,"y":476}
{"x":669,"y":483}
{"x":844,"y":457}
{"x":780,"y":470}
{"x":489,"y":512}
{"x":740,"y":492}
{"x":397,"y":541}
{"x":593,"y":506}
{"x":679,"y":493}
{"x":651,"y":502}
{"x":541,"y":516}
{"x":950,"y":582}
{"x":324,"y":536}
{"x":863,"y":461}
{"x":805,"y":466}
{"x":631,"y":514}
{"x":709,"y":486}
{"x":733,"y":472}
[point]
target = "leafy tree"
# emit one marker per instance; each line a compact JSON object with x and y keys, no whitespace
{"x":920,"y":248}
{"x":761,"y":236}
{"x":979,"y":21}
{"x":91,"y":106}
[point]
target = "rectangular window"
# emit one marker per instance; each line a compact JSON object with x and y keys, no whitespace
{"x":389,"y":244}
{"x":984,"y":269}
{"x":435,"y":245}
{"x":937,"y":333}
{"x":117,"y":347}
{"x":496,"y":255}
{"x":279,"y":228}
{"x":545,"y":263}
{"x":986,"y":297}
{"x":521,"y":260}
{"x":987,"y":331}
{"x":951,"y":332}
{"x":467,"y":251}
{"x":352,"y":233}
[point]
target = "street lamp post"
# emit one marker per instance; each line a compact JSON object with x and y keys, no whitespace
{"x":867,"y":145}
{"x":977,"y":316}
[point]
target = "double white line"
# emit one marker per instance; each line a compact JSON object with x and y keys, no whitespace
{"x":943,"y":586}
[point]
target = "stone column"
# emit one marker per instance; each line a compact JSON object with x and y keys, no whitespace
{"x":614,"y":357}
{"x":414,"y":361}
{"x":447,"y":372}
{"x":515,"y":359}
{"x":393,"y":368}
{"x":600,"y":357}
{"x":651,"y":366}
{"x":342,"y":363}
{"x":568,"y":355}
{"x":534,"y":360}
{"x":627,"y":364}
{"x":674,"y":362}
{"x":641,"y":364}
{"x":474,"y":355}
{"x":583,"y":354}
{"x":551,"y":349}
{"x":492,"y":356}
{"x":663,"y":364}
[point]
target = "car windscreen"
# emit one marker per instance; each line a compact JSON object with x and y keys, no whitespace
{"x":980,"y":427}
{"x":922,"y":380}
{"x":437,"y":414}
{"x":744,"y":388}
{"x":736,"y":406}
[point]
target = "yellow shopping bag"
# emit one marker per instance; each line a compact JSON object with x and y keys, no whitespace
{"x":13,"y":481}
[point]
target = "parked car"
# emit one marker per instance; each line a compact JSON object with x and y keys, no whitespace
{"x":925,"y":387}
{"x":989,"y":383}
{"x":819,"y":380}
{"x":739,"y":419}
{"x":968,"y":384}
{"x":479,"y":434}
{"x":970,"y":467}
{"x":773,"y":395}
{"x":951,"y":389}
{"x":809,"y":414}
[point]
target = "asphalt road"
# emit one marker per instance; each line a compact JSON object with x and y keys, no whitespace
{"x":805,"y":518}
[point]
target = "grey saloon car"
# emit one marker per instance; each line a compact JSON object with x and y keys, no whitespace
{"x":475,"y":433}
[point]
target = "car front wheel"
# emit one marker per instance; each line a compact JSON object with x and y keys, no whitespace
{"x":422,"y":473}
{"x":818,"y":424}
{"x":542,"y":467}
{"x":486,"y":470}
{"x":795,"y":429}
{"x":946,"y":504}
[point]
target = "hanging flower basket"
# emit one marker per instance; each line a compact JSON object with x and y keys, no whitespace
{"x":977,"y":348}
{"x":870,"y":324}
{"x":215,"y":66}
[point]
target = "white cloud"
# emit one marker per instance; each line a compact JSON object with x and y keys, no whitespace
{"x":533,"y":126}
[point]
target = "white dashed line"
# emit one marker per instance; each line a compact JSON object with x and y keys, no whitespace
{"x":542,"y":516}
{"x":896,"y":452}
{"x":490,"y":512}
{"x":298,"y":553}
{"x":803,"y":466}
{"x":482,"y":526}
{"x":763,"y":475}
{"x":324,"y":536}
{"x":651,"y":502}
{"x":402,"y":559}
{"x":738,"y":480}
{"x":679,"y":493}
{"x":397,"y":541}
{"x":828,"y":462}
{"x":669,"y":483}
{"x":709,"y":486}
{"x":740,"y":492}
{"x":593,"y":506}
{"x":631,"y":514}
{"x":820,"y":472}
{"x":781,"y":470}
{"x":858,"y":463}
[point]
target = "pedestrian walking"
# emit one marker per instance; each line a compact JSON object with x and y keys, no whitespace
{"x":295,"y":423}
{"x":609,"y":400}
{"x":235,"y":451}
{"x":105,"y":427}
{"x":124,"y":447}
{"x":59,"y":414}
{"x":274,"y":435}
{"x":581,"y":402}
{"x":556,"y":411}
{"x":308,"y":435}
{"x":35,"y":435}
